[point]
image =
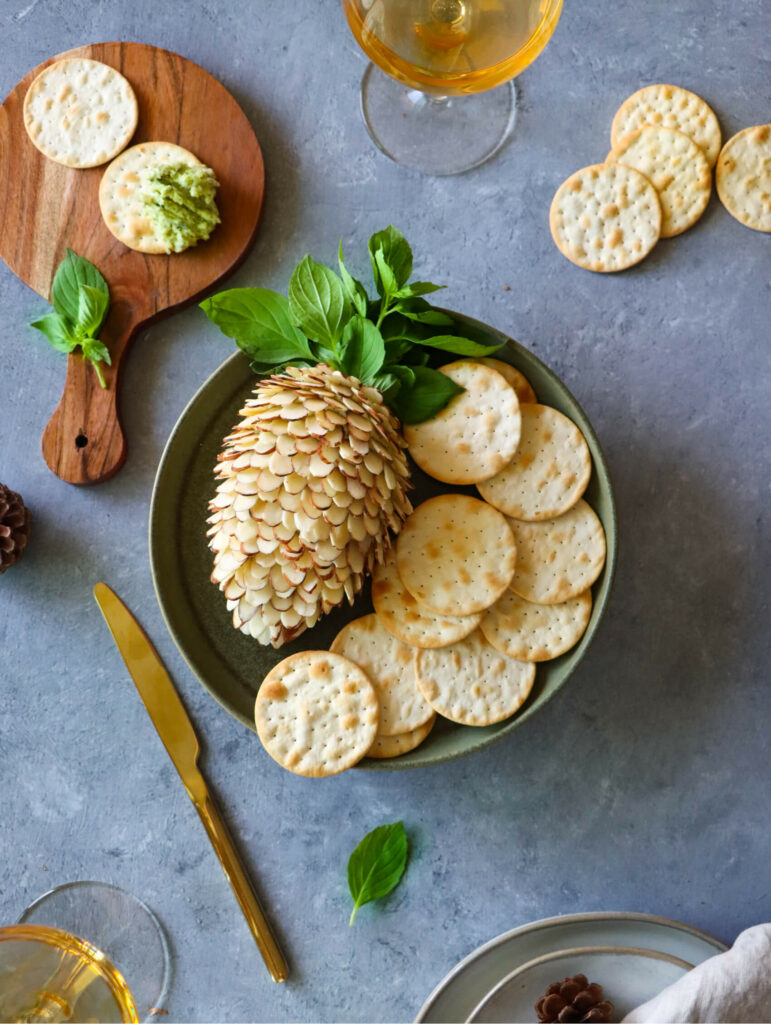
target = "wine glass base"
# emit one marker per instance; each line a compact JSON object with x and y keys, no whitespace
{"x":436,"y":135}
{"x":121,"y":926}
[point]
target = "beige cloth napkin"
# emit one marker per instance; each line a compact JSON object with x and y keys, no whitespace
{"x":731,"y":988}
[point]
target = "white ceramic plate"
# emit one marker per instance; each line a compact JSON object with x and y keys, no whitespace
{"x":456,"y":996}
{"x":629,"y":978}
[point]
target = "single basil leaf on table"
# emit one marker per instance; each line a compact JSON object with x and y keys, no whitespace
{"x":361,"y":351}
{"x":459,"y":346}
{"x":396,"y":255}
{"x":260,"y":323}
{"x":377,"y":864}
{"x":73,"y":272}
{"x":354,"y":289}
{"x":92,"y":309}
{"x":58,"y":332}
{"x":428,"y":395}
{"x":317,"y":302}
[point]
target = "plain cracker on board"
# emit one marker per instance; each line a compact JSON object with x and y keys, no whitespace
{"x":471,"y":683}
{"x":605,"y":217}
{"x":678,"y":169}
{"x":518,"y":380}
{"x":536,"y":632}
{"x":455,"y":554}
{"x":316,"y":713}
{"x":743,"y":177}
{"x":559,"y":558}
{"x":120,"y":193}
{"x":80,"y":112}
{"x":402,"y":743}
{"x":413,"y":624}
{"x":475,"y":434}
{"x":548,"y":474}
{"x":669,"y":106}
{"x":389,"y":666}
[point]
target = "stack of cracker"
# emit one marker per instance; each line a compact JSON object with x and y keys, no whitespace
{"x":655,"y":182}
{"x":475,"y":592}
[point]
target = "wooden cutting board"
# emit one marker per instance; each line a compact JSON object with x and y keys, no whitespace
{"x":45,"y":208}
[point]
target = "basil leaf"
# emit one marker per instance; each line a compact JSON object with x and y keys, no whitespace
{"x":96,"y":351}
{"x":388,"y":283}
{"x":387,"y":384}
{"x":268,"y":369}
{"x":317,"y":301}
{"x":418,"y":288}
{"x":72,"y":273}
{"x":404,"y":374}
{"x":92,"y":308}
{"x":377,"y":864}
{"x":354,"y":289}
{"x":58,"y":332}
{"x":419,"y":310}
{"x":395,"y":348}
{"x":396,"y":255}
{"x":428,"y":395}
{"x":460,"y":346}
{"x":260,"y":323}
{"x":361,"y":351}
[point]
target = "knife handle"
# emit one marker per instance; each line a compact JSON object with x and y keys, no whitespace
{"x":239,"y":881}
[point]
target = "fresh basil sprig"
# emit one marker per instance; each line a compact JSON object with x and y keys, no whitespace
{"x":330,"y":318}
{"x":81,"y":298}
{"x":377,"y":864}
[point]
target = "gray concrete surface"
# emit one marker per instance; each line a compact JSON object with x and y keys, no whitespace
{"x":645,"y":785}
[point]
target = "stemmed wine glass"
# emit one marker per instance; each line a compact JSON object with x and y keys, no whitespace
{"x":74,"y":954}
{"x":437,"y":108}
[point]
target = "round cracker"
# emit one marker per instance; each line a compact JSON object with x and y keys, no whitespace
{"x":512,"y":375}
{"x":548,"y":474}
{"x":455,"y":554}
{"x":476,"y":433}
{"x":471,"y":683}
{"x":120,"y":193}
{"x":389,"y":665}
{"x":669,"y":106}
{"x":605,"y":217}
{"x":409,"y":621}
{"x":394,"y":746}
{"x":316,"y":713}
{"x":743,"y":177}
{"x":559,"y":558}
{"x":536,"y":632}
{"x":80,"y":112}
{"x":678,"y":169}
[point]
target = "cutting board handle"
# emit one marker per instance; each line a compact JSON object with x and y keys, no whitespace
{"x":83,"y":442}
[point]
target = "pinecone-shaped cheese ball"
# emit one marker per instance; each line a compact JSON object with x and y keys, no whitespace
{"x":312,"y":479}
{"x":14,"y":527}
{"x":573,"y":1000}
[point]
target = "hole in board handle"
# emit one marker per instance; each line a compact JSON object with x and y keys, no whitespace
{"x":81,"y":441}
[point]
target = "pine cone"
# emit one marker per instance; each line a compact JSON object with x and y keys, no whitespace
{"x":14,"y":527}
{"x":573,"y":1000}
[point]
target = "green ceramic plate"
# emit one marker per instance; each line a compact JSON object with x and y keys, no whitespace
{"x":231,"y":665}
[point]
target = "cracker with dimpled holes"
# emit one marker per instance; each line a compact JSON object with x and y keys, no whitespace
{"x":559,"y":558}
{"x":536,"y":632}
{"x":605,"y":218}
{"x":475,"y":434}
{"x":80,"y":112}
{"x":548,"y":474}
{"x":316,"y":713}
{"x":669,"y":106}
{"x":402,"y":743}
{"x":518,"y":381}
{"x":401,"y":614}
{"x":471,"y":683}
{"x":743,"y":177}
{"x":677,"y":168}
{"x":120,"y":193}
{"x":388,"y":665}
{"x":455,"y":554}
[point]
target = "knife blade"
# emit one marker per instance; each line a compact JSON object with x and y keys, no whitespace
{"x":175,"y":729}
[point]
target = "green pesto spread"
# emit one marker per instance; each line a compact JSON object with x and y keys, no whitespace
{"x":179,"y":200}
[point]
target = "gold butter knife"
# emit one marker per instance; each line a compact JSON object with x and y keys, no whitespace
{"x":176,"y":730}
